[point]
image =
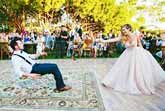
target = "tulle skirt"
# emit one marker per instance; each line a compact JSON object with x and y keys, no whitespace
{"x":135,"y":72}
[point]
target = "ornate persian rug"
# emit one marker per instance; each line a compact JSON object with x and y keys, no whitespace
{"x":28,"y":94}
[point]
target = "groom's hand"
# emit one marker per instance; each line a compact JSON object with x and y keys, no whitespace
{"x":35,"y":76}
{"x":43,"y":54}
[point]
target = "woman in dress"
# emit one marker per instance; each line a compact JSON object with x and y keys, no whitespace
{"x":136,"y":71}
{"x":40,"y":44}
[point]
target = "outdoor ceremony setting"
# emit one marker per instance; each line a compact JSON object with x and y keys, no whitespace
{"x":82,"y":55}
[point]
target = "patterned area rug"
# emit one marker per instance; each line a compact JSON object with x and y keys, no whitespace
{"x":38,"y":94}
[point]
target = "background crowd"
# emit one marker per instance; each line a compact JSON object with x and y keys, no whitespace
{"x":72,"y":42}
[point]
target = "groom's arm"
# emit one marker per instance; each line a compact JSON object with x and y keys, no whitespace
{"x":31,"y":75}
{"x":35,"y":56}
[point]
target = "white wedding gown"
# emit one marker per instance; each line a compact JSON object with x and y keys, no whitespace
{"x":135,"y":72}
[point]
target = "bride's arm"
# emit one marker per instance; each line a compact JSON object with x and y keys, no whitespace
{"x":111,"y":40}
{"x":139,"y":42}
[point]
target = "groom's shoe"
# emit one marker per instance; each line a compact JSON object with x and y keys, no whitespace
{"x":65,"y":88}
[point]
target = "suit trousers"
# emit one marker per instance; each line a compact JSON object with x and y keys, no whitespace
{"x":49,"y":68}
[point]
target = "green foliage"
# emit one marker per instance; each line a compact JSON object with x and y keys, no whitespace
{"x":48,"y":5}
{"x":162,"y":3}
{"x":107,"y":12}
{"x":15,"y":11}
{"x":162,"y":19}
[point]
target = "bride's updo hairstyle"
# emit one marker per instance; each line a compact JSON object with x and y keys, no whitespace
{"x":127,"y":26}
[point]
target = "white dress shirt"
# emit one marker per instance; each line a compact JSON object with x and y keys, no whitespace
{"x":20,"y":65}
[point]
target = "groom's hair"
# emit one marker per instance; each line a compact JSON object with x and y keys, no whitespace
{"x":13,"y":42}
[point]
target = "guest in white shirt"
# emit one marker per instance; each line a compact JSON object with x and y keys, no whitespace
{"x":25,"y":66}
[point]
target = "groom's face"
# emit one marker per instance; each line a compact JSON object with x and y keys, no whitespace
{"x":19,"y":45}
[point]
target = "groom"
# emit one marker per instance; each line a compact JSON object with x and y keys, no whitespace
{"x":24,"y":66}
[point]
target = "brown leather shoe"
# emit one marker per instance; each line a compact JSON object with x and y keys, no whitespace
{"x":65,"y":88}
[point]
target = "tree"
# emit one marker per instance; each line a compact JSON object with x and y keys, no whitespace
{"x":48,"y":11}
{"x":111,"y":15}
{"x":16,"y":10}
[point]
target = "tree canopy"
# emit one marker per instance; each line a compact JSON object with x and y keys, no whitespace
{"x":107,"y":13}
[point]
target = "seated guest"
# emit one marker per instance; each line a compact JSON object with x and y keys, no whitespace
{"x":76,"y":45}
{"x":161,"y":43}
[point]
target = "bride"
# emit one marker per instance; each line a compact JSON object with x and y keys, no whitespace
{"x":136,"y":71}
